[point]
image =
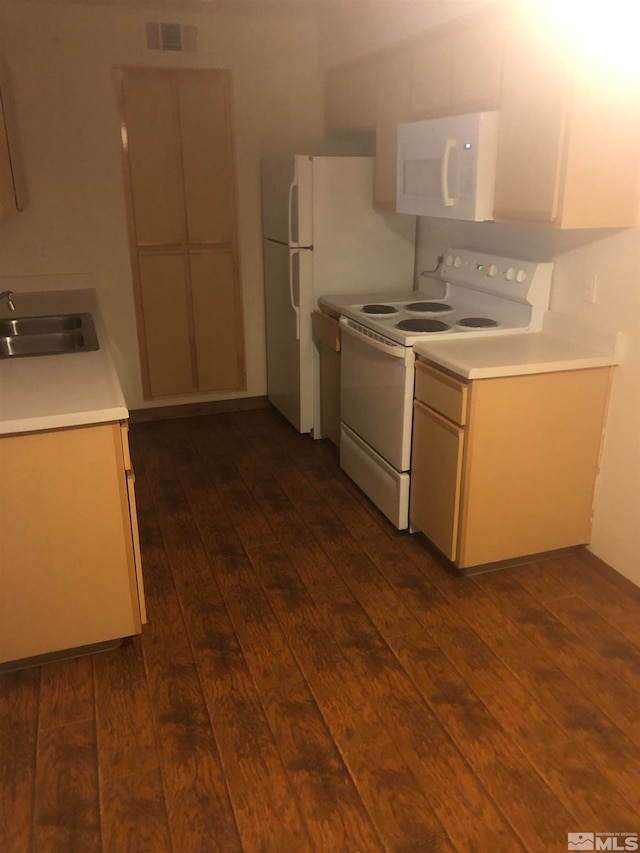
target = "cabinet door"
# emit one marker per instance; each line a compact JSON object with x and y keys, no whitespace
{"x":350,"y":97}
{"x":533,"y":113}
{"x":153,"y":146}
{"x":601,"y":164}
{"x":534,"y":444}
{"x":476,"y":75}
{"x":431,"y":74}
{"x":436,"y":474}
{"x":207,"y":155}
{"x":393,"y":107}
{"x":166,"y":325}
{"x":217,"y":321}
{"x":66,"y":572}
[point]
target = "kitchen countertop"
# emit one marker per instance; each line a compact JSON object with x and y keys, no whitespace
{"x":564,"y":343}
{"x":53,"y":391}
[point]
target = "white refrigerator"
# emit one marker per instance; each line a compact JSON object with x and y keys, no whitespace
{"x":321,"y":235}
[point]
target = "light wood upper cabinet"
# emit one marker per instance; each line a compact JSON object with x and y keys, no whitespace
{"x":458,"y":69}
{"x":13,"y":189}
{"x":431,"y":74}
{"x":569,"y":134}
{"x":351,"y":97}
{"x":477,"y":65}
{"x":393,"y":107}
{"x":569,"y":138}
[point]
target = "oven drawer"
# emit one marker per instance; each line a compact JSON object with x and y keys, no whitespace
{"x":441,"y":392}
{"x":386,"y":487}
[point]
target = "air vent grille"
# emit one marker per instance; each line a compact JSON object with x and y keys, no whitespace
{"x":166,"y":36}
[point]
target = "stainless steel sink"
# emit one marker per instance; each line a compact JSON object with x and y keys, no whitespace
{"x":49,"y":335}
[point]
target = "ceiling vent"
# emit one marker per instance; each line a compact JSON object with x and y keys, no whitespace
{"x":163,"y":36}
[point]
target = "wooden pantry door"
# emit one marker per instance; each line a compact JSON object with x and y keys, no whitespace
{"x":178,"y":148}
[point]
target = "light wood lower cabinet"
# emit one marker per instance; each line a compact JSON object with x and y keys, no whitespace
{"x":70,"y":573}
{"x":506,"y":467}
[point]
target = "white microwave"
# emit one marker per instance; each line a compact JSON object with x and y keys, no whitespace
{"x":446,"y":167}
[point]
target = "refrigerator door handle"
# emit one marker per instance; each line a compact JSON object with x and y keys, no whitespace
{"x":294,"y":287}
{"x":293,"y":213}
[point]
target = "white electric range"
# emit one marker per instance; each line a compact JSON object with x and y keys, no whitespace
{"x":479,"y":295}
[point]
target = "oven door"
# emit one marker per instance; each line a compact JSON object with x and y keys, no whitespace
{"x":376,"y":393}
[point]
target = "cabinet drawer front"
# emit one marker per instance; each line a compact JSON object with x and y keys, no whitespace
{"x":442,"y":393}
{"x":436,"y":475}
{"x":326,"y":330}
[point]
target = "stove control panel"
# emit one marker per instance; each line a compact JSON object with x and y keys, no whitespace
{"x":522,"y":281}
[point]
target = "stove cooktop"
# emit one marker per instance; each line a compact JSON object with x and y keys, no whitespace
{"x":406,"y":321}
{"x":482,"y":294}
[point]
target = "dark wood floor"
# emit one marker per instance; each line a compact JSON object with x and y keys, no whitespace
{"x":310,"y":679}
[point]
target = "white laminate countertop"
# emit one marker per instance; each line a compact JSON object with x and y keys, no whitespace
{"x":53,"y":391}
{"x":563,"y":344}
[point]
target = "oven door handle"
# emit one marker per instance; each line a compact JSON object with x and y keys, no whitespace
{"x":394,"y":350}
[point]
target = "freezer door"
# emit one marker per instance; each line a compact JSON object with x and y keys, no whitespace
{"x":287,"y":188}
{"x":288,"y":283}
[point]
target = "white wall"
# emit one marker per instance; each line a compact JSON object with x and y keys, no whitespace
{"x":61,"y":57}
{"x":615,"y":257}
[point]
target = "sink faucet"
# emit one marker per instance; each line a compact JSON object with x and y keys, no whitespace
{"x":8,"y":295}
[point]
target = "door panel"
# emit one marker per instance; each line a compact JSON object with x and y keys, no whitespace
{"x":217,"y":323}
{"x":431,"y":71}
{"x":477,"y":65}
{"x":207,"y":157}
{"x":532,"y":121}
{"x":436,"y":472}
{"x":153,"y":141}
{"x":166,"y":324}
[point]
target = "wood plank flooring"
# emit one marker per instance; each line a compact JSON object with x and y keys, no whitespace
{"x":312,"y":680}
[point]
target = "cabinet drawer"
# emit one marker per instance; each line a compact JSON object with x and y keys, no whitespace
{"x":442,"y":393}
{"x":326,"y":330}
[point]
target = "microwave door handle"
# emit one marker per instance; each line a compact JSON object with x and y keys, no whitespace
{"x":294,"y":287}
{"x":447,"y":200}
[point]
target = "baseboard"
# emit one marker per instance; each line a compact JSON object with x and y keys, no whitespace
{"x":192,"y":410}
{"x":623,"y":583}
